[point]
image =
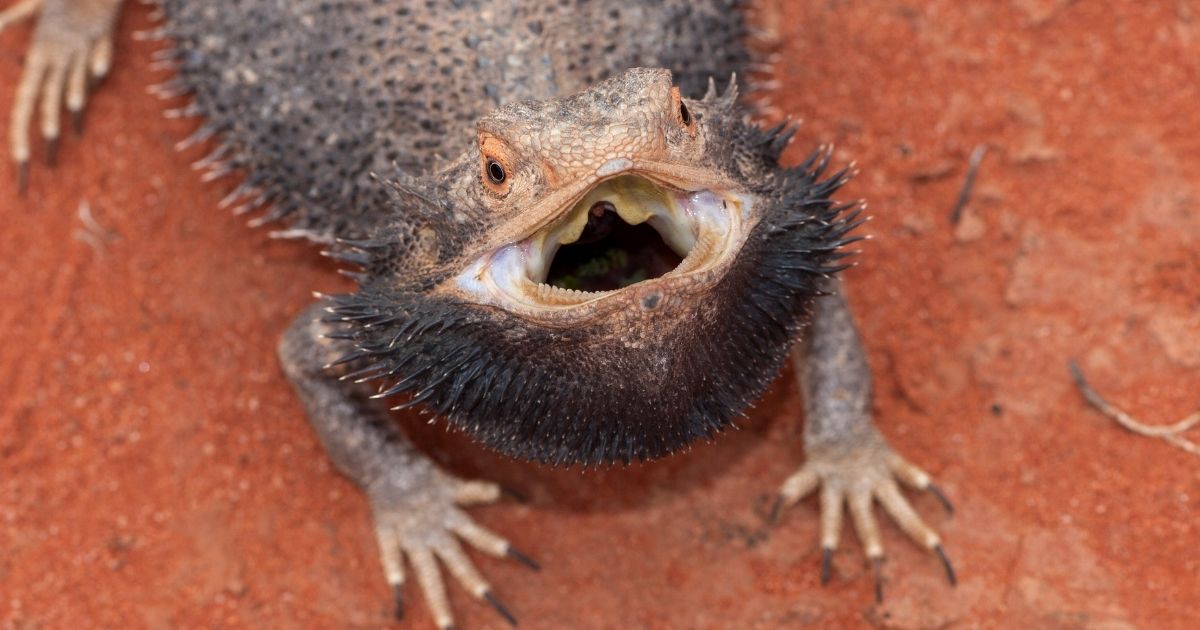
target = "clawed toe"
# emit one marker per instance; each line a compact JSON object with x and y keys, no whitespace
{"x":428,"y":533}
{"x":22,"y":176}
{"x":508,"y":616}
{"x":454,"y":559}
{"x":877,"y":573}
{"x":517,"y":555}
{"x":941,"y":497}
{"x":857,"y":481}
{"x":19,"y":11}
{"x":941,"y":554}
{"x":398,"y":601}
{"x":70,"y":39}
{"x":826,"y":564}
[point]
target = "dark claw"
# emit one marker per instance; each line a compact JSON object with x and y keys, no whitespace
{"x":941,"y":497}
{"x":946,"y":563}
{"x":513,"y":494}
{"x":508,"y":616}
{"x":398,"y":601}
{"x":52,"y":152}
{"x":522,"y":558}
{"x":23,"y":177}
{"x":77,"y":122}
{"x":877,"y":568}
{"x":776,"y":510}
{"x":826,"y":565}
{"x":448,"y":626}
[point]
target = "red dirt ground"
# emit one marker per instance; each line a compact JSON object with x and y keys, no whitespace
{"x":155,"y":469}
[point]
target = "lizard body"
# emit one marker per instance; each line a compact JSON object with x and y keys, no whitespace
{"x":457,"y":153}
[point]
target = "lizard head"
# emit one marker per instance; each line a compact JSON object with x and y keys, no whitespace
{"x":603,"y":277}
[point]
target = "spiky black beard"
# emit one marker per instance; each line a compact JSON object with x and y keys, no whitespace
{"x":587,"y":395}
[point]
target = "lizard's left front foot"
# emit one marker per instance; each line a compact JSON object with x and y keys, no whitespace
{"x":858,"y":474}
{"x":72,"y":45}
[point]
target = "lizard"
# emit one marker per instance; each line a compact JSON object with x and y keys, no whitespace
{"x":558,"y":249}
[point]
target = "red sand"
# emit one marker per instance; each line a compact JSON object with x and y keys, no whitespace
{"x":155,"y":469}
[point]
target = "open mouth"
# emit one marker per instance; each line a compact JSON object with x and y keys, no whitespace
{"x":607,"y":241}
{"x":611,"y":254}
{"x":624,"y":231}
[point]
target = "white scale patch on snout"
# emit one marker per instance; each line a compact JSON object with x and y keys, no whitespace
{"x":614,"y":166}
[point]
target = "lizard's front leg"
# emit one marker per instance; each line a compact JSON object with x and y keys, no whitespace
{"x":846,"y":456}
{"x":417,"y":507}
{"x":72,"y":46}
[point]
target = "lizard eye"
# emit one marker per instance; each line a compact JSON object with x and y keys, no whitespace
{"x":495,"y":172}
{"x":683,"y":115}
{"x":495,"y":164}
{"x":495,"y":175}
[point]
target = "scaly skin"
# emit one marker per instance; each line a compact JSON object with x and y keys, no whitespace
{"x":433,"y":150}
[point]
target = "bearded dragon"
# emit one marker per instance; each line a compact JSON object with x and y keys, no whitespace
{"x":558,"y":251}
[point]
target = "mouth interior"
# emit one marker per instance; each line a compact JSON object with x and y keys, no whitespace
{"x":611,"y":254}
{"x":624,"y":231}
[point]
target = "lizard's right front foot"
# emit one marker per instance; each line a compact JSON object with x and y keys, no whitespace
{"x":418,"y":515}
{"x":72,"y":46}
{"x":857,"y":475}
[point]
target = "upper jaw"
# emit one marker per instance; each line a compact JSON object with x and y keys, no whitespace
{"x":554,"y":203}
{"x":705,"y":226}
